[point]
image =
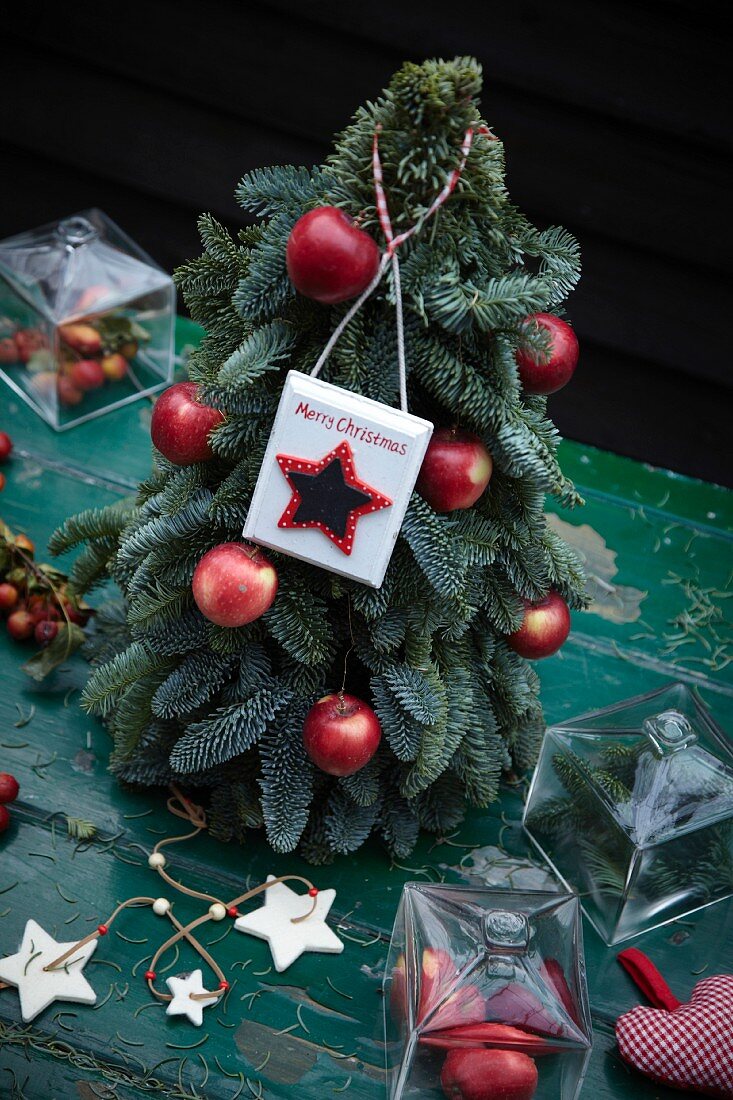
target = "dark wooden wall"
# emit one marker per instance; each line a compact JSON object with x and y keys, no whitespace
{"x":613,"y":113}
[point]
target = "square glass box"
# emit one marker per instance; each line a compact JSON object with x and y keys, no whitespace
{"x":86,"y":319}
{"x":485,"y":984}
{"x":632,"y":806}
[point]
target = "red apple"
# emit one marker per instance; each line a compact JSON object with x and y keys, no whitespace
{"x":341,"y":734}
{"x":554,"y":975}
{"x":114,"y":367}
{"x":553,"y":370}
{"x":488,"y":1034}
{"x":545,"y":627}
{"x":9,"y":787}
{"x":69,"y":394}
{"x":438,"y":971}
{"x":488,"y":1075}
{"x":329,"y":258}
{"x":87,"y":374}
{"x":82,"y":338}
{"x":234,"y":584}
{"x":6,"y":446}
{"x":8,"y":596}
{"x":438,"y":975}
{"x":520,"y":1007}
{"x":181,"y":424}
{"x":20,"y":625}
{"x":455,"y":471}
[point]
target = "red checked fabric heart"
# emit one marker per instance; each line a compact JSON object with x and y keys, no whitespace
{"x":687,"y":1046}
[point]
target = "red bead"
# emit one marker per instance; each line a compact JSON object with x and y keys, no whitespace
{"x":232,"y":911}
{"x":223,"y":985}
{"x":313,"y":892}
{"x":102,"y":929}
{"x":149,"y":975}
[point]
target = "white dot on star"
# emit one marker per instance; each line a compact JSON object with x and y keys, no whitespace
{"x":273,"y":922}
{"x":38,"y":988}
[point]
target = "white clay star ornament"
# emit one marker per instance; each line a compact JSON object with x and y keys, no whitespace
{"x":273,"y":922}
{"x":38,"y":988}
{"x":183,"y":1004}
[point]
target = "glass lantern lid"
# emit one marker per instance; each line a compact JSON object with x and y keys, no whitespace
{"x":495,"y":962}
{"x":658,"y":763}
{"x":82,"y":265}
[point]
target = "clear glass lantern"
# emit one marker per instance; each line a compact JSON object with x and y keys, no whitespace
{"x":633,"y":807}
{"x":486,"y":986}
{"x":86,"y":319}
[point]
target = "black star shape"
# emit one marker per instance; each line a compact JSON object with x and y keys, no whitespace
{"x":326,"y":497}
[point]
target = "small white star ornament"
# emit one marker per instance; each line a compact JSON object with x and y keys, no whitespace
{"x":273,"y":922}
{"x":183,"y":1004}
{"x":38,"y":988}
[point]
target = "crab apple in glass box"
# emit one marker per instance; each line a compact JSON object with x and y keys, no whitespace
{"x":87,"y":319}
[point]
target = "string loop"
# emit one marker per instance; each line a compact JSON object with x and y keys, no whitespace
{"x":389,"y":256}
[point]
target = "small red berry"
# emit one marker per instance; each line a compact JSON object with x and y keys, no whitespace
{"x":8,"y":787}
{"x":232,"y":911}
{"x":313,"y":892}
{"x":20,"y":625}
{"x":45,"y":632}
{"x":8,"y":596}
{"x":6,"y":446}
{"x":4,"y":819}
{"x":223,"y":985}
{"x":149,"y":975}
{"x":102,"y":929}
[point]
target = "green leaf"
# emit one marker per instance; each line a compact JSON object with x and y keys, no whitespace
{"x":69,"y":638}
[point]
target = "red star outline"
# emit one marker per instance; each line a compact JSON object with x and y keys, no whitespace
{"x":290,"y":463}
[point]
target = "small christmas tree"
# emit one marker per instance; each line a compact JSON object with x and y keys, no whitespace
{"x":224,"y":708}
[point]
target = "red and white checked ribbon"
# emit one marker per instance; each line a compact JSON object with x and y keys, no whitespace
{"x":393,"y":242}
{"x":390,"y":253}
{"x":687,"y":1046}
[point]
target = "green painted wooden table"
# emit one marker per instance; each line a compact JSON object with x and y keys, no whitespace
{"x":658,"y":549}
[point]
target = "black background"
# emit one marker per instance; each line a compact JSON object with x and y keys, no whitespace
{"x":614,"y":116}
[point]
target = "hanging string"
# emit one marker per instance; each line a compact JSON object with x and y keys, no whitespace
{"x":100,"y":930}
{"x":182,"y":807}
{"x":184,"y":932}
{"x":390,"y":254}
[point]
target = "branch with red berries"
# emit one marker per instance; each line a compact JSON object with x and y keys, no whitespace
{"x":39,"y":604}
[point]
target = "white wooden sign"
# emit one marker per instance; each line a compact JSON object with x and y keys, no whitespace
{"x":336,"y":478}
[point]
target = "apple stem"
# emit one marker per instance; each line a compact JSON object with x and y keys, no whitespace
{"x":252,"y":552}
{"x":341,"y":707}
